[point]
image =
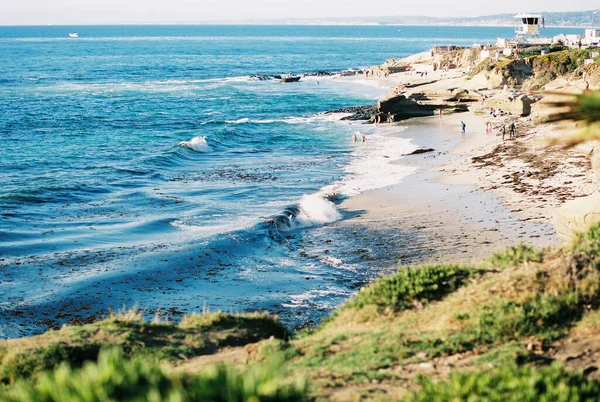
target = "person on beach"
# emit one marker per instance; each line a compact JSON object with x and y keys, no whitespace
{"x":440,"y":113}
{"x":503,"y":131}
{"x":513,"y":130}
{"x":488,"y":127}
{"x":354,"y":137}
{"x":463,"y":130}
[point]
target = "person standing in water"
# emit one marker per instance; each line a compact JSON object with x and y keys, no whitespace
{"x":363,"y":139}
{"x":354,"y":137}
{"x":463,"y":130}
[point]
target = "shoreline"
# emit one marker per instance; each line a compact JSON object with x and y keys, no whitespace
{"x":450,"y":221}
{"x":500,"y":192}
{"x":441,"y":212}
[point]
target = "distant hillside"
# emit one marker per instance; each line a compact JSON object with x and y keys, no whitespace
{"x":558,"y":19}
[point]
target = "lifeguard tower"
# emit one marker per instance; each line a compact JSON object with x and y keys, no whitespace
{"x":528,"y":25}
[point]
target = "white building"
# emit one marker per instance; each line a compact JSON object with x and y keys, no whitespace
{"x":528,"y":24}
{"x":591,"y":37}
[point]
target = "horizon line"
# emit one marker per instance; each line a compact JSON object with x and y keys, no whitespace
{"x":350,"y":21}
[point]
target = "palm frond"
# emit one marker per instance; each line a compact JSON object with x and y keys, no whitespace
{"x":577,"y":108}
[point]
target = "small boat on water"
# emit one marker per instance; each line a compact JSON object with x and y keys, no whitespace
{"x":290,"y":79}
{"x":73,"y":35}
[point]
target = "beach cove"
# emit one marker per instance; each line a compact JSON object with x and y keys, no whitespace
{"x":174,"y":212}
{"x":121,"y":233}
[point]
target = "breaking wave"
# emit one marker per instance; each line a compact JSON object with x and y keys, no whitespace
{"x":312,"y":210}
{"x":198,"y":144}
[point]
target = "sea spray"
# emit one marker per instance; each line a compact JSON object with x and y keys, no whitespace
{"x":198,"y":144}
{"x":312,"y":210}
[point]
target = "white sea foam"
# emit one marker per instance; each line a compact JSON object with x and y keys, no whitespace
{"x":245,"y":120}
{"x":322,"y":297}
{"x":204,"y":230}
{"x":198,"y":144}
{"x":238,"y":121}
{"x":317,"y":118}
{"x":331,"y":261}
{"x":374,"y":164}
{"x":313,"y":210}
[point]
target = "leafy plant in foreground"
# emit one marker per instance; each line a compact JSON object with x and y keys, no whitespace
{"x":115,"y":378}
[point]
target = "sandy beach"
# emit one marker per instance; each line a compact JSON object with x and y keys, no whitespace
{"x":449,"y":216}
{"x":469,"y":199}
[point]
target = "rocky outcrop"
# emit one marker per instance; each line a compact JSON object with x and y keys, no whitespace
{"x":357,"y":112}
{"x":421,"y":151}
{"x":542,"y":112}
{"x":403,"y":108}
{"x":510,"y":73}
{"x":393,"y":66}
{"x":520,"y":105}
{"x":577,"y":215}
{"x":459,"y":58}
{"x":426,"y":103}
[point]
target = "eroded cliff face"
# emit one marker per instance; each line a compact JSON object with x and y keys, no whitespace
{"x":512,"y":73}
{"x":528,"y":75}
{"x":532,"y":73}
{"x":460,"y":58}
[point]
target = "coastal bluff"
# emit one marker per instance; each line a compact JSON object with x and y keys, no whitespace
{"x":458,"y":80}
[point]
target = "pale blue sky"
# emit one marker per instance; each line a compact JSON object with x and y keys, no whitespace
{"x":42,"y":12}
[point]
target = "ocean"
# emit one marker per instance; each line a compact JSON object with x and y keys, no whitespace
{"x":148,"y":167}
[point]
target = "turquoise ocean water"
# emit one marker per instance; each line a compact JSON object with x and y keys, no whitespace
{"x":145,"y":166}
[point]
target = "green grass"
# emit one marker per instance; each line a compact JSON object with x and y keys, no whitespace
{"x":377,"y":331}
{"x":412,"y":285}
{"x":545,"y":316}
{"x":116,"y":378}
{"x":510,"y":384}
{"x":516,"y":255}
{"x":196,"y":335}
